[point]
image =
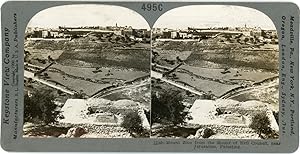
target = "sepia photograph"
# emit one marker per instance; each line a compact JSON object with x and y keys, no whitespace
{"x":214,"y":74}
{"x":87,"y":73}
{"x":100,"y":71}
{"x":150,"y":76}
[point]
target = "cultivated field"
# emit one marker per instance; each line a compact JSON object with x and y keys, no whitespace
{"x":232,"y":79}
{"x":104,"y":68}
{"x":91,"y":63}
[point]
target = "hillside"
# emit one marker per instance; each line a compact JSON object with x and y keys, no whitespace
{"x":92,"y":51}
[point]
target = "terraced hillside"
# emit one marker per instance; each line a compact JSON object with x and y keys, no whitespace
{"x":219,"y":69}
{"x":89,"y":63}
{"x":91,"y":51}
{"x":217,"y":53}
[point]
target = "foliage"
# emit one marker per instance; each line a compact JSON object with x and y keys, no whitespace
{"x":39,"y":106}
{"x":168,"y":107}
{"x":79,"y":95}
{"x":132,"y":122}
{"x":260,"y":123}
{"x":208,"y":96}
{"x":246,"y":39}
{"x":207,"y":132}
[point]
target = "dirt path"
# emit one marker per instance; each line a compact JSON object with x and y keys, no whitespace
{"x":158,"y":75}
{"x":119,"y":89}
{"x":98,"y":94}
{"x":28,"y":74}
{"x":241,"y":91}
{"x":181,"y":70}
{"x":267,"y":83}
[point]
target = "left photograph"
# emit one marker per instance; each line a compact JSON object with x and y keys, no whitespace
{"x":87,"y":73}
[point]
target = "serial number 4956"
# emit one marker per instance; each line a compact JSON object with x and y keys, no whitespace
{"x":152,"y":7}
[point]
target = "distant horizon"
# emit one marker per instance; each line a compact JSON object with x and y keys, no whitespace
{"x":214,"y":16}
{"x":88,"y":15}
{"x":151,"y":28}
{"x":82,"y":26}
{"x":214,"y":27}
{"x":199,"y":16}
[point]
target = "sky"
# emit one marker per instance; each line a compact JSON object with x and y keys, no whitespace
{"x":200,"y":16}
{"x":87,"y":15}
{"x":206,"y":16}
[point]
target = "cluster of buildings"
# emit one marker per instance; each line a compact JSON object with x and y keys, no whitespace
{"x":160,"y":33}
{"x":67,"y":32}
{"x":36,"y":32}
{"x":195,"y":33}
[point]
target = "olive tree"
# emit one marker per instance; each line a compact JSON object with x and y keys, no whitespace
{"x":167,"y":106}
{"x":39,"y":106}
{"x":260,"y":123}
{"x":132,"y":122}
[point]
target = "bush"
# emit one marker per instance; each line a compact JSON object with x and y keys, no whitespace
{"x":260,"y":123}
{"x":79,"y":95}
{"x":167,"y":107}
{"x":40,"y":107}
{"x":207,"y":132}
{"x":132,"y":122}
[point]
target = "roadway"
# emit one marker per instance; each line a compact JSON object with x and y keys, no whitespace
{"x":249,"y":89}
{"x":28,"y":74}
{"x":158,"y":75}
{"x":119,"y":89}
{"x":235,"y":93}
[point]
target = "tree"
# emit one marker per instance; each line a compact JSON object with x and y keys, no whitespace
{"x":252,"y":40}
{"x":40,"y":107}
{"x":246,"y":40}
{"x":132,"y":122}
{"x":260,"y":123}
{"x":79,"y":95}
{"x":168,"y":107}
{"x":117,"y":39}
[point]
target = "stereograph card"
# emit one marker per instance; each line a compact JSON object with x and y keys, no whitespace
{"x":150,"y":76}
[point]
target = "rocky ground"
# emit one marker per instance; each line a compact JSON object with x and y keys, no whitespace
{"x":219,"y":52}
{"x":235,"y":75}
{"x":112,"y":65}
{"x":74,"y":131}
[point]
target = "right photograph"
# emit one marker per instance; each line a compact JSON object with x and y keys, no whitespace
{"x":214,"y":74}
